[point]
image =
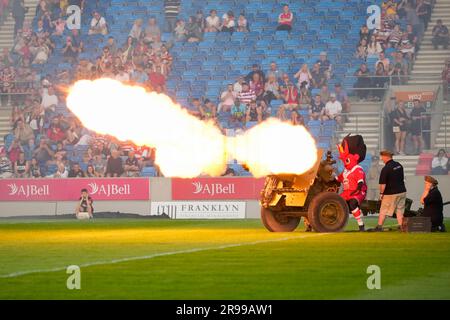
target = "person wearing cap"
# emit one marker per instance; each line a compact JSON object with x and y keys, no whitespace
{"x":392,"y":189}
{"x":433,"y":204}
{"x":333,"y":109}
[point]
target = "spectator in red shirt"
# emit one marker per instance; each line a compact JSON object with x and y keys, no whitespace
{"x":55,"y":133}
{"x":290,"y":97}
{"x":14,"y":151}
{"x":285,"y":19}
{"x":157,"y":80}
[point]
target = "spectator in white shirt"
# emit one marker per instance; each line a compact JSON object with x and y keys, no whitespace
{"x":440,"y":164}
{"x":275,"y":71}
{"x":237,"y":87}
{"x":227,"y":99}
{"x":333,"y":110}
{"x":98,"y":25}
{"x":228,"y":22}
{"x":136,"y":30}
{"x":61,"y":172}
{"x":212,"y":22}
{"x":49,"y":100}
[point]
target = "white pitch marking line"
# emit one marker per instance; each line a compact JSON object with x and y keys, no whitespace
{"x":160,"y":254}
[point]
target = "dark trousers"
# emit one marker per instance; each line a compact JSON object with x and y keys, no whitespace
{"x":18,"y":25}
{"x":284,"y":27}
{"x":360,"y":84}
{"x":268,"y":97}
{"x":437,"y":41}
{"x":170,"y":24}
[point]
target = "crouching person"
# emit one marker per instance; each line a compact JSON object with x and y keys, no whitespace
{"x":85,"y":207}
{"x":433,"y":204}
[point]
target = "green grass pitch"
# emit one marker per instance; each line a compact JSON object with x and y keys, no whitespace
{"x":163,"y":259}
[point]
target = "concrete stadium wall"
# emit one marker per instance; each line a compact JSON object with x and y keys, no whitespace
{"x":161,"y":190}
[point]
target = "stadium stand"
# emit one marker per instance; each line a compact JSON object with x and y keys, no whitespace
{"x":197,"y":67}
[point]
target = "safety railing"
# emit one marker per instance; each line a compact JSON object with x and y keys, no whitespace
{"x":372,"y":88}
{"x":367,"y":124}
{"x":438,"y":134}
{"x":10,"y":90}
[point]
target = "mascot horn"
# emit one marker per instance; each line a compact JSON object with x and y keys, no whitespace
{"x":352,"y":151}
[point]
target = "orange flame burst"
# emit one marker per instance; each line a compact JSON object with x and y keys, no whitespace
{"x":186,"y":146}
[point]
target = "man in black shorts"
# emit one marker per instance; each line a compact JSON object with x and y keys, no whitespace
{"x":392,"y":190}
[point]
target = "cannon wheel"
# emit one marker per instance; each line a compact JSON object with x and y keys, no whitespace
{"x":276,"y":223}
{"x":328,"y":212}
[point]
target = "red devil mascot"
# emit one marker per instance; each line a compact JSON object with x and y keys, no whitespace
{"x":352,"y":152}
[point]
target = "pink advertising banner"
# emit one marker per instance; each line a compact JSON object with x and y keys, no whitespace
{"x":217,"y":189}
{"x":69,"y":189}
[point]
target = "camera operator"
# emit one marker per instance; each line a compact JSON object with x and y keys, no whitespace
{"x":85,"y":208}
{"x":433,"y":204}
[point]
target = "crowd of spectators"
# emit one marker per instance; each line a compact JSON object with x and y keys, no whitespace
{"x":261,"y":94}
{"x":390,"y":47}
{"x":46,"y":142}
{"x":409,"y":125}
{"x":196,"y":26}
{"x":43,"y":140}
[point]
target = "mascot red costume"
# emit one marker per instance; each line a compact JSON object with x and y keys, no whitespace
{"x":352,"y":152}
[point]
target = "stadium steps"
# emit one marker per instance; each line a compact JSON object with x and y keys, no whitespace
{"x":430,"y":63}
{"x":7,"y":29}
{"x":5,"y":126}
{"x":443,"y":136}
{"x":409,"y":164}
{"x":367,"y":125}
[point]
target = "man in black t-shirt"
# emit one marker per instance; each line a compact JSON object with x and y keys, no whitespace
{"x":316,"y":109}
{"x":392,"y":190}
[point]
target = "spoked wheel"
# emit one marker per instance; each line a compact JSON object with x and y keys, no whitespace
{"x":275,"y":222}
{"x":328,"y":212}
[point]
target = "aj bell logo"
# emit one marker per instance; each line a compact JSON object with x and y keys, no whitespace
{"x":29,"y":190}
{"x":213,"y":188}
{"x":109,"y":189}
